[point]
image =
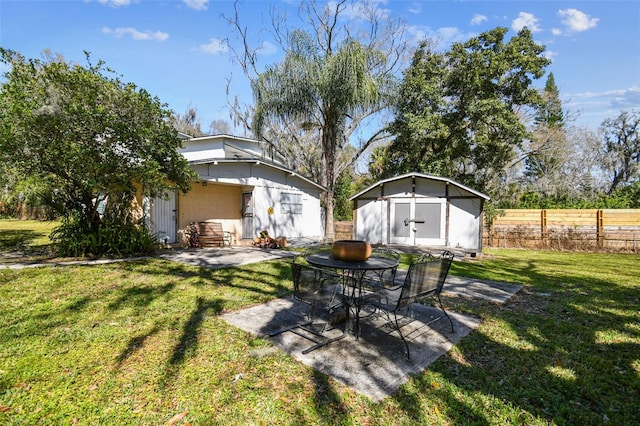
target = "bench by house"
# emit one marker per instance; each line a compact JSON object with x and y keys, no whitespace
{"x":211,"y":233}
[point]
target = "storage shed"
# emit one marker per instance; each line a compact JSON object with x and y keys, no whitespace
{"x":419,"y":209}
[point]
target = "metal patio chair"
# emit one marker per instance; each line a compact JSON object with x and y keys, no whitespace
{"x":376,"y":280}
{"x":425,"y":278}
{"x":321,"y":290}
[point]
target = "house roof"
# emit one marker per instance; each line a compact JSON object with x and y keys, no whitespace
{"x":421,"y":176}
{"x":265,"y":149}
{"x":225,"y":136}
{"x":257,"y":162}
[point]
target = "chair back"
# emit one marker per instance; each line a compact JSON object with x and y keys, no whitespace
{"x":386,"y":277}
{"x":426,"y":277}
{"x":312,"y":283}
{"x":306,"y":280}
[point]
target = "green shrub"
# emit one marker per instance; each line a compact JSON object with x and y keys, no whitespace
{"x":75,"y":238}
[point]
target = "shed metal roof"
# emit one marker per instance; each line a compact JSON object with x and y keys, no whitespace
{"x":421,"y":176}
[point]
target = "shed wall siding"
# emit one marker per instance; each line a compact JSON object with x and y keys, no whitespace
{"x":371,"y":221}
{"x":464,"y":223}
{"x":427,"y":188}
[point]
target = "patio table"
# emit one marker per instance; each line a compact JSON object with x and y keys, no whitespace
{"x":355,"y":270}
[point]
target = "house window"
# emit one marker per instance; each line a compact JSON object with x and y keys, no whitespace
{"x":291,"y":203}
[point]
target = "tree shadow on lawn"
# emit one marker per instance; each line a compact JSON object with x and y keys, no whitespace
{"x":188,"y":342}
{"x":18,"y":242}
{"x":557,"y":366}
{"x":262,"y":286}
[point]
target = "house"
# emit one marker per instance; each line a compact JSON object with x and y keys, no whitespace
{"x":243,"y":184}
{"x":419,"y":209}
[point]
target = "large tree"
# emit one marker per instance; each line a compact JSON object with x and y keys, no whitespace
{"x":546,"y":166}
{"x":621,"y":149}
{"x":188,"y":123}
{"x":332,"y":79}
{"x":460,"y":112}
{"x":91,"y":137}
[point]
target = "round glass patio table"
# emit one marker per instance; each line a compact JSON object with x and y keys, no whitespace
{"x":357,"y":271}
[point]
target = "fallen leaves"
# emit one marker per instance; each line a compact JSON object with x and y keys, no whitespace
{"x":177,"y":418}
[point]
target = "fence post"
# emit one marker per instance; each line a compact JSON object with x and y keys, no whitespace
{"x":543,"y":226}
{"x":600,"y":227}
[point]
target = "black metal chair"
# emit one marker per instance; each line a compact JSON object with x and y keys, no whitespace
{"x":321,"y":290}
{"x":425,"y":278}
{"x":375,"y":280}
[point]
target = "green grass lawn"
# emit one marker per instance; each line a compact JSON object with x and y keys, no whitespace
{"x":142,"y":342}
{"x":25,"y":240}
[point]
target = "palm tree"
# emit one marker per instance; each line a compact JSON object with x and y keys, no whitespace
{"x":326,"y":91}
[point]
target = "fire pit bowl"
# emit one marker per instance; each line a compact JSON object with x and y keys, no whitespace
{"x":351,"y":250}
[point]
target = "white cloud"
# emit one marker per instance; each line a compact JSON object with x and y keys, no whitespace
{"x":215,"y":46}
{"x":197,"y":4}
{"x":135,"y":34}
{"x":442,"y":37}
{"x":556,"y":31}
{"x":577,"y":21}
{"x":478,"y":19}
{"x":115,"y":3}
{"x":525,"y":19}
{"x":627,"y":97}
{"x":267,"y":49}
{"x":361,"y":9}
{"x":594,"y":107}
{"x":415,"y":8}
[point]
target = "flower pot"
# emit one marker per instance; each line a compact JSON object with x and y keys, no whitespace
{"x":351,"y":250}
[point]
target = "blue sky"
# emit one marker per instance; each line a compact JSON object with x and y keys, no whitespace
{"x":179,"y":50}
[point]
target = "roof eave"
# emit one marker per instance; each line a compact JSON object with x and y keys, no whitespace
{"x":257,"y":162}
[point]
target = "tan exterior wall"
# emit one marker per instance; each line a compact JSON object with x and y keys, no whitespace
{"x":215,"y":202}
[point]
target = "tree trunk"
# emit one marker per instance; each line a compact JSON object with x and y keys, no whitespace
{"x":329,"y":138}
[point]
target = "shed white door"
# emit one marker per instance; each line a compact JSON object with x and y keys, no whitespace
{"x":417,"y":221}
{"x":163,"y":218}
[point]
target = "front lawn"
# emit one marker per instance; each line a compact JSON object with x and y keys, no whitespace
{"x":141,"y":342}
{"x":25,"y":240}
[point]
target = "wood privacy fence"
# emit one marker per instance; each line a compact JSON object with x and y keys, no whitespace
{"x":603,"y":229}
{"x":343,"y":230}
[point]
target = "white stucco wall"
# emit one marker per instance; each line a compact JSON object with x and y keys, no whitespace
{"x":267,"y":184}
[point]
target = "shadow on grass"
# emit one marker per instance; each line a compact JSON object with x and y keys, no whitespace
{"x":568,"y":352}
{"x":140,"y":296}
{"x":567,"y":355}
{"x":328,"y":403}
{"x":189,"y":339}
{"x":19,"y":240}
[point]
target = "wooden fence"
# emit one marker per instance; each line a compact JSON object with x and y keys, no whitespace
{"x":606,"y":230}
{"x":343,"y":230}
{"x":603,"y":229}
